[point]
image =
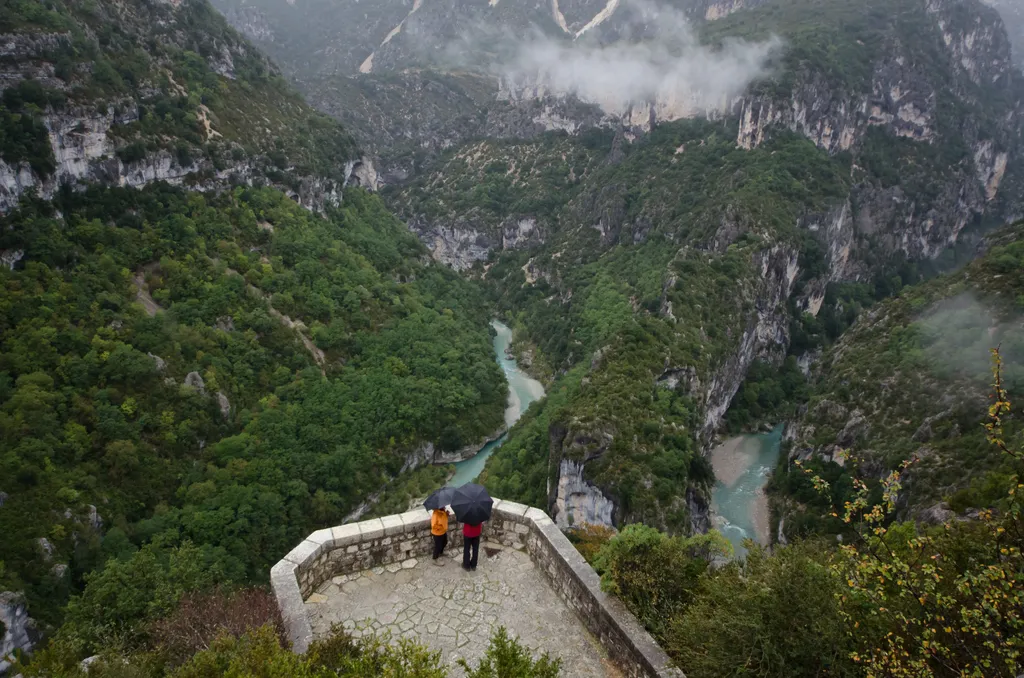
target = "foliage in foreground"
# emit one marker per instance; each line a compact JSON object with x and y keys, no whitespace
{"x":899,"y":601}
{"x":112,"y":453}
{"x":226,"y":639}
{"x":942,"y":602}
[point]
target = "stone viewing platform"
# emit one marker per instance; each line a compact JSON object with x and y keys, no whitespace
{"x":377,"y":576}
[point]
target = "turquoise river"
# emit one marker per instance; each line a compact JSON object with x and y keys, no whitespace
{"x":739,"y":506}
{"x":522,"y":390}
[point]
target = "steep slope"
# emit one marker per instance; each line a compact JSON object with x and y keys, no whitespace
{"x":430,"y":75}
{"x":1013,"y":15}
{"x":911,"y":380}
{"x":189,"y":358}
{"x":133,"y":92}
{"x":670,"y":274}
{"x":933,"y":127}
{"x":889,"y":133}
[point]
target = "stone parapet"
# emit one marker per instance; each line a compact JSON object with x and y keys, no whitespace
{"x":380,"y":542}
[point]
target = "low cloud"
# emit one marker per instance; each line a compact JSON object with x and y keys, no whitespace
{"x":958,"y":334}
{"x":655,"y":57}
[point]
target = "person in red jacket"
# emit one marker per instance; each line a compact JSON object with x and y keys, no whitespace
{"x":471,"y":545}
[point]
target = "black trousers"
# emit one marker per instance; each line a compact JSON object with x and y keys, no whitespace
{"x":470,"y":544}
{"x":440,"y":541}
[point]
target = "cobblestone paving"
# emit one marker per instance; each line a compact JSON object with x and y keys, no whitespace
{"x":456,"y":611}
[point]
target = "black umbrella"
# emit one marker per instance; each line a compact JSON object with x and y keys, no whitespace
{"x":439,"y":499}
{"x":472,"y":504}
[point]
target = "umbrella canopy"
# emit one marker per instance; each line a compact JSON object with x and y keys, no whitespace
{"x":472,"y":504}
{"x":439,"y":499}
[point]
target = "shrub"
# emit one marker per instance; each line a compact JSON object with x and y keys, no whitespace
{"x":776,"y":615}
{"x":507,"y":658}
{"x":654,"y":574}
{"x":589,"y":539}
{"x":200,"y":618}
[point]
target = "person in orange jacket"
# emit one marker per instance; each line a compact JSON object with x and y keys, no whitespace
{"x":439,"y":530}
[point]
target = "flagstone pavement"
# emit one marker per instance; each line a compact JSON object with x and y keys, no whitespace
{"x":455,"y":611}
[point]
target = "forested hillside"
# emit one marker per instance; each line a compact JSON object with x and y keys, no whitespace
{"x":192,"y":381}
{"x":911,"y":381}
{"x":654,"y":273}
{"x":912,"y":587}
{"x":131,"y":92}
{"x":213,"y":340}
{"x":229,"y":371}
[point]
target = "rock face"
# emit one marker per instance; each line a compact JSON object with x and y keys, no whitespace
{"x":1013,"y":16}
{"x":109,"y":135}
{"x":224,"y":404}
{"x":10,"y":258}
{"x":766,"y":336}
{"x":905,"y":99}
{"x":577,"y":501}
{"x":195,"y":381}
{"x":458,"y":246}
{"x":953,"y":176}
{"x":20,"y":633}
{"x":468,"y":451}
{"x":85,"y":148}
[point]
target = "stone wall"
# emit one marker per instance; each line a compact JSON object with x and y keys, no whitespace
{"x":392,"y":539}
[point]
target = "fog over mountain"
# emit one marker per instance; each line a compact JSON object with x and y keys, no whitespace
{"x":668,"y":64}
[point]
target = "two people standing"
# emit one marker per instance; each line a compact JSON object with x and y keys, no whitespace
{"x":472,"y":506}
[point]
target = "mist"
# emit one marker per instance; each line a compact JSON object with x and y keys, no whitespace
{"x":957,"y":335}
{"x":661,"y":62}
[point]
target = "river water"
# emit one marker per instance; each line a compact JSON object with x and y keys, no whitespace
{"x":739,"y":506}
{"x":522,"y":390}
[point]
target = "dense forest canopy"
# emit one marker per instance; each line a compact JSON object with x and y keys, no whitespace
{"x":196,"y":373}
{"x":207,"y":413}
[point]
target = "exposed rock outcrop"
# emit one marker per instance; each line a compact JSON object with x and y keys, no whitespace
{"x":458,"y":246}
{"x":194,"y":381}
{"x":577,"y":501}
{"x":85,"y":150}
{"x":765,"y":336}
{"x":467,"y":451}
{"x":20,"y":633}
{"x":10,"y":258}
{"x":224,"y":404}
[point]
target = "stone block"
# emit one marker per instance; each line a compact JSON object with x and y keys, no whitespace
{"x":392,"y":525}
{"x":416,"y":520}
{"x":304,"y":553}
{"x":540,"y":522}
{"x":534,"y":514}
{"x":324,"y":537}
{"x":283,"y":571}
{"x":511,"y":508}
{"x":345,"y":535}
{"x":371,"y":529}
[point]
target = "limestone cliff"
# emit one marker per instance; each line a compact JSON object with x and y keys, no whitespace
{"x":19,"y":631}
{"x":911,"y":380}
{"x":83,"y":123}
{"x":1013,"y":15}
{"x":578,"y":502}
{"x":85,"y":147}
